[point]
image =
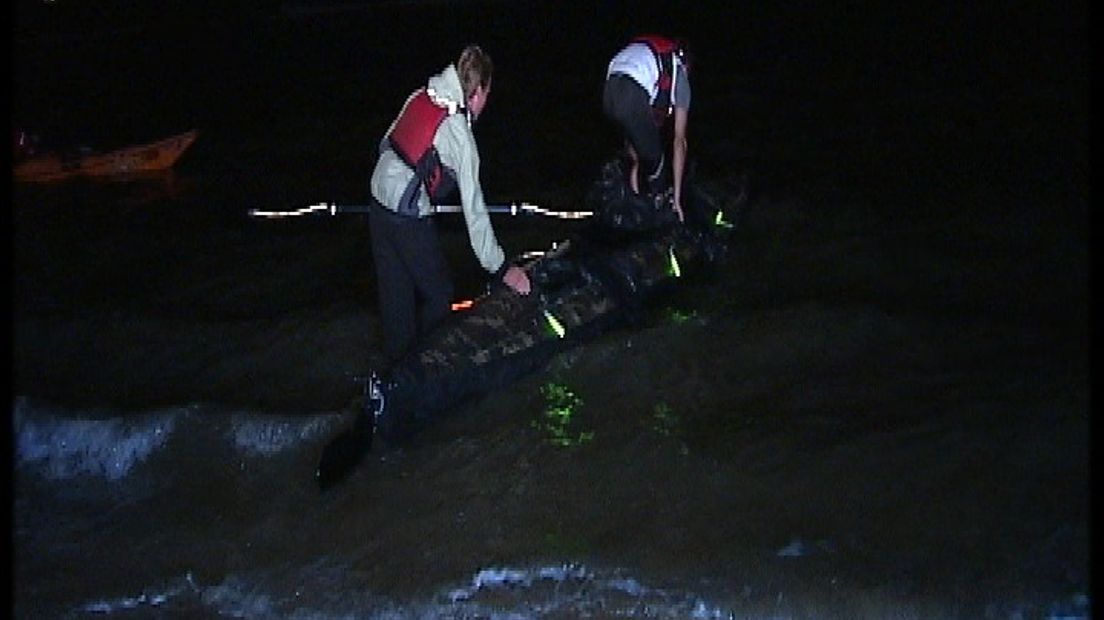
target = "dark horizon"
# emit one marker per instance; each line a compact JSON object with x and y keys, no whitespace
{"x":901,"y":87}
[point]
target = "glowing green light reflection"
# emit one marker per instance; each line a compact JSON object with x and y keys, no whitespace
{"x":664,"y":421}
{"x":720,"y":220}
{"x":560,"y":406}
{"x":680,"y":317}
{"x":554,"y":324}
{"x":675,"y":271}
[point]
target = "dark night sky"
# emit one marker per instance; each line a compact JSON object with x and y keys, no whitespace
{"x":1009,"y":44}
{"x":219,"y":63}
{"x":945,"y":40}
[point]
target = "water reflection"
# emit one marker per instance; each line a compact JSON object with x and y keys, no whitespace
{"x":556,"y":421}
{"x":664,"y":421}
{"x":680,"y":317}
{"x":127,"y":190}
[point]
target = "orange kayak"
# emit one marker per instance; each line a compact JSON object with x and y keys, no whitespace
{"x":139,"y":158}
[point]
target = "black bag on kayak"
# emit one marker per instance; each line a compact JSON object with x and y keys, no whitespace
{"x":618,"y":209}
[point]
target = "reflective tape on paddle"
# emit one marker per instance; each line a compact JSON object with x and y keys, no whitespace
{"x":331,"y":208}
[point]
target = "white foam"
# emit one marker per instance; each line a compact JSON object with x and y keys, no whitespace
{"x":261,"y":436}
{"x":567,"y":589}
{"x":147,"y":598}
{"x":63,"y":445}
{"x":326,"y":591}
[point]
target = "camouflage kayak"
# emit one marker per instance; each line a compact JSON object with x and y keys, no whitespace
{"x":580,"y":289}
{"x":578,"y":292}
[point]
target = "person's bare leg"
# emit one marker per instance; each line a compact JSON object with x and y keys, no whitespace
{"x":634,"y":168}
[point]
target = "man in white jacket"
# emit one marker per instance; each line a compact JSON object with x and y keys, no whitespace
{"x":428,"y":151}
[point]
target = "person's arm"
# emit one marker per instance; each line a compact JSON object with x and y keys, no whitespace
{"x":459,"y":150}
{"x":678,"y":157}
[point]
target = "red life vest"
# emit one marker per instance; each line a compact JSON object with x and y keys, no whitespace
{"x":412,"y":140}
{"x":664,"y":50}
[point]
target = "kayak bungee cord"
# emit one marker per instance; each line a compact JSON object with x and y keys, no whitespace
{"x":332,"y":208}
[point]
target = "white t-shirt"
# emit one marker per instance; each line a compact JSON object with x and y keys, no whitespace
{"x":637,"y":61}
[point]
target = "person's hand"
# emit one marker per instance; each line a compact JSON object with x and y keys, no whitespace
{"x":516,"y":278}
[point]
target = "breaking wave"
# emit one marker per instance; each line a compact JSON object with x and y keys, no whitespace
{"x":60,"y":444}
{"x":493,"y":593}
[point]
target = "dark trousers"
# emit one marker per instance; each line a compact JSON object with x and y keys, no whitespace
{"x":412,"y":278}
{"x":626,"y":103}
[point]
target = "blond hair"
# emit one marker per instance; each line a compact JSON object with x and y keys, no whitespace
{"x":475,"y":68}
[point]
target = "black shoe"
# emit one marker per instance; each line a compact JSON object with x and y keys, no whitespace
{"x":374,"y":400}
{"x":375,"y":404}
{"x":391,"y":424}
{"x":372,"y":403}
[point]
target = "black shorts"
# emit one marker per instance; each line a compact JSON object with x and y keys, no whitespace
{"x":626,"y":103}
